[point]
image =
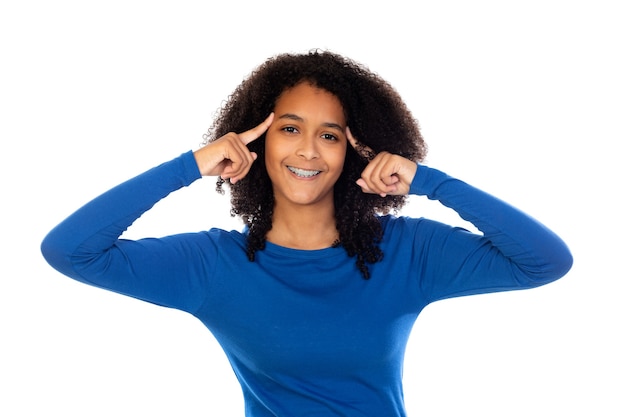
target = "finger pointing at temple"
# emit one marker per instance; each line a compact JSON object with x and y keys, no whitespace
{"x":228,"y":156}
{"x":385,"y":173}
{"x":256,"y":132}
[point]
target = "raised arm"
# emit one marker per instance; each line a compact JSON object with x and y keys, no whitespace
{"x":515,"y":250}
{"x":530,"y":246}
{"x":86,"y":246}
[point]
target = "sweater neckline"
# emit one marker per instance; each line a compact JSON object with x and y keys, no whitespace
{"x":304,"y":253}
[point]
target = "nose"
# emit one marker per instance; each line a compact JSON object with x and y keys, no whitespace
{"x":307,"y":148}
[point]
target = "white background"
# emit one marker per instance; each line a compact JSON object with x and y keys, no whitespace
{"x":523,"y":99}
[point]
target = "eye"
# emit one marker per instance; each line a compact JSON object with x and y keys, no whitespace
{"x":329,"y":136}
{"x":289,"y":129}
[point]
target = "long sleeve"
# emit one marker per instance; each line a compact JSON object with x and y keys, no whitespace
{"x":87,"y":246}
{"x":515,"y":250}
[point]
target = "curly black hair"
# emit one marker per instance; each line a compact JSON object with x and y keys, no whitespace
{"x":377,"y":117}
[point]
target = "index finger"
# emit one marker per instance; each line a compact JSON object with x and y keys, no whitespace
{"x":256,"y":132}
{"x":363,"y":150}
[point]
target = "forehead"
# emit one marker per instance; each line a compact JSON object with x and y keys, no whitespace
{"x":308,"y":98}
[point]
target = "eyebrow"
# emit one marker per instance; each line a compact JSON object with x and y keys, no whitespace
{"x":297,"y":118}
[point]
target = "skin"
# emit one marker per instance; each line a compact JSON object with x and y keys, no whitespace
{"x":305,"y":149}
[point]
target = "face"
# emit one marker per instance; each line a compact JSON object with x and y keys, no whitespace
{"x":305,"y":147}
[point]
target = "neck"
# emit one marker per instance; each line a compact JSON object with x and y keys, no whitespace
{"x":303,"y":227}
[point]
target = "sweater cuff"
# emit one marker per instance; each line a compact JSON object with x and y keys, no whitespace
{"x":191,"y":172}
{"x":423,"y":181}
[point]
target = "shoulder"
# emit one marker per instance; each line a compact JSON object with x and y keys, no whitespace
{"x":222,"y":237}
{"x":209,"y":244}
{"x":399,"y":228}
{"x":397,"y":224}
{"x":404,"y":229}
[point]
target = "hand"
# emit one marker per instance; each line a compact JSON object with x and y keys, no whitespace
{"x":228,"y":156}
{"x":386,"y":173}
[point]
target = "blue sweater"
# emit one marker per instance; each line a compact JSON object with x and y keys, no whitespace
{"x":305,"y":334}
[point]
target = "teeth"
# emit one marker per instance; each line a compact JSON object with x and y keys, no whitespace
{"x":303,"y":172}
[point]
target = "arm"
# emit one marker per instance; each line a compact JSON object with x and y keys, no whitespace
{"x":515,"y":250}
{"x":86,"y":245}
{"x":169,"y":271}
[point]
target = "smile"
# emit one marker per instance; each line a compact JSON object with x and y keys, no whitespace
{"x":305,"y":173}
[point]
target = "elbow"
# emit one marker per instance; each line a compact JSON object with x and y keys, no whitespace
{"x":559,"y":264}
{"x":555,"y":264}
{"x":565,"y":263}
{"x":49,"y":251}
{"x":562,"y":259}
{"x":54,"y":254}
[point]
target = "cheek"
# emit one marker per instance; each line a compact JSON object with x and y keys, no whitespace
{"x":339,"y":158}
{"x":270,"y":150}
{"x":274,"y":154}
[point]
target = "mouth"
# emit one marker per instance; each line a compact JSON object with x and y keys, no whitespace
{"x":303,"y":173}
